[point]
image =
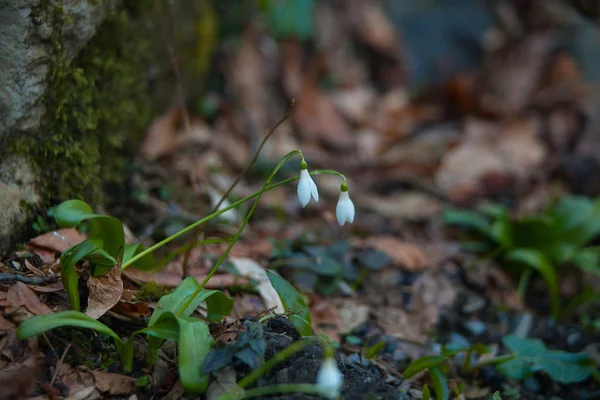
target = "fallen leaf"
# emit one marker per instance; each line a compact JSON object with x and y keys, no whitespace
{"x":401,"y":324}
{"x":432,"y":294}
{"x":5,"y":324}
{"x":59,"y":240}
{"x":114,"y":384}
{"x":410,"y":206}
{"x":406,"y":255}
{"x":171,"y":131}
{"x":20,"y":295}
{"x":18,"y":366}
{"x":353,"y":315}
{"x":326,"y":318}
{"x":249,"y":268}
{"x":105,"y":291}
{"x":225,"y":382}
{"x":374,"y":27}
{"x":135,"y":310}
{"x":171,"y":279}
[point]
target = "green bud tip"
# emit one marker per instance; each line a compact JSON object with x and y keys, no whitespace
{"x":303,"y":165}
{"x":344,"y":187}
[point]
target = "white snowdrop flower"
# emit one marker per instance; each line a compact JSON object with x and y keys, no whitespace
{"x":329,"y":379}
{"x":345,"y":208}
{"x":306,"y":186}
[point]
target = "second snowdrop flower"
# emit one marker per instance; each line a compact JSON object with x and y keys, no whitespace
{"x":329,"y":378}
{"x":345,"y":208}
{"x":306,"y":186}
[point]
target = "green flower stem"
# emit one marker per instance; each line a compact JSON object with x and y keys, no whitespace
{"x":285,"y":159}
{"x":276,"y":359}
{"x":273,"y":389}
{"x":200,"y":222}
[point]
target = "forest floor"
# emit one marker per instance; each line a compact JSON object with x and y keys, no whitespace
{"x":400,"y":283}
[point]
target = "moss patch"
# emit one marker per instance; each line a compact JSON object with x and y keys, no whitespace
{"x":94,"y":102}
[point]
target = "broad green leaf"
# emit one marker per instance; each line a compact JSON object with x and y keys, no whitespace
{"x":532,"y":356}
{"x":494,"y":210}
{"x":537,"y":260}
{"x":109,"y":229}
{"x":566,"y":367}
{"x":587,"y":260}
{"x":217,"y":303}
{"x":497,"y":396}
{"x":91,"y":248}
{"x":502,"y":231}
{"x":303,"y":326}
{"x":577,"y":218}
{"x":375,"y":350}
{"x":291,"y":18}
{"x":422,"y":364}
{"x":195,"y":342}
{"x":42,"y":323}
{"x":469,"y":220}
{"x":145,"y":263}
{"x":292,"y":300}
{"x":440,"y":385}
{"x":517,"y":368}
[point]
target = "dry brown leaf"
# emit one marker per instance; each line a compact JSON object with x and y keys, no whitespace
{"x":249,"y":268}
{"x":319,"y":120}
{"x":172,"y":279}
{"x":171,"y":131}
{"x":432,"y":294}
{"x":105,"y":292}
{"x":59,"y":240}
{"x":326,"y":318}
{"x":411,"y":206}
{"x":407,"y":255}
{"x":19,"y":295}
{"x":398,"y":323}
{"x":373,"y":27}
{"x":114,"y":384}
{"x":5,"y":324}
{"x":18,"y":378}
{"x":135,"y":310}
{"x":353,"y":315}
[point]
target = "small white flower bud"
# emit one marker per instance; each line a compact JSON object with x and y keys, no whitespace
{"x":306,"y":186}
{"x":329,"y":379}
{"x":344,"y":211}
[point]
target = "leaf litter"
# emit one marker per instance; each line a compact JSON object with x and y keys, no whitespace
{"x":501,"y":131}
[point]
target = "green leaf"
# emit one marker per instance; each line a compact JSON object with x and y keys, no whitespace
{"x":426,"y":395}
{"x":440,"y":385}
{"x":587,"y":260}
{"x":42,"y":323}
{"x":291,"y":18}
{"x":303,"y":326}
{"x":375,"y":350}
{"x":422,"y":364}
{"x":146,"y":263}
{"x":292,"y":300}
{"x":497,"y":396}
{"x":588,"y":294}
{"x":538,"y":261}
{"x":469,"y":220}
{"x":195,"y":342}
{"x":88,"y":249}
{"x":218,"y":305}
{"x":109,"y":229}
{"x":533,"y":356}
{"x":577,"y":218}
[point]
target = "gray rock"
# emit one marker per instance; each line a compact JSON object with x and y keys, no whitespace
{"x":27,"y":32}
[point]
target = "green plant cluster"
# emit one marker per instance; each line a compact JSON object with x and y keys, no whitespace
{"x":526,"y":357}
{"x":545,"y":243}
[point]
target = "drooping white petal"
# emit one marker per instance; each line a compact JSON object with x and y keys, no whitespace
{"x":313,"y":189}
{"x":344,"y":210}
{"x":304,"y":188}
{"x":329,"y":379}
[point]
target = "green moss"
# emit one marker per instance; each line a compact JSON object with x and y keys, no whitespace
{"x":151,"y":291}
{"x":94,"y":103}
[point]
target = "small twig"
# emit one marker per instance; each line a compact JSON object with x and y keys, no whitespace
{"x":62,"y":358}
{"x":200,"y":231}
{"x":6,"y":277}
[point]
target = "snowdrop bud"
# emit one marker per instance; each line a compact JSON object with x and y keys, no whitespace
{"x":306,"y":186}
{"x":345,"y":208}
{"x":329,"y":379}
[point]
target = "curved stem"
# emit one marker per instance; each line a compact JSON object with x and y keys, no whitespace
{"x":217,"y":213}
{"x":214,"y":269}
